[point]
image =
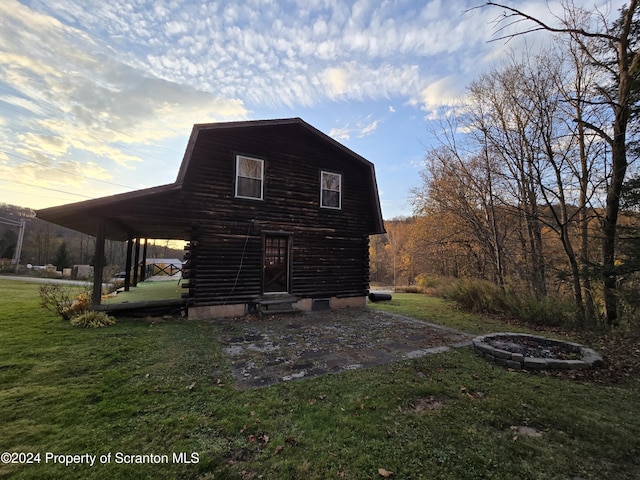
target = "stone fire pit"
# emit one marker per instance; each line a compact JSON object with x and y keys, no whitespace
{"x":522,"y":351}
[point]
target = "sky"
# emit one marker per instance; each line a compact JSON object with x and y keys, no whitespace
{"x":99,"y":97}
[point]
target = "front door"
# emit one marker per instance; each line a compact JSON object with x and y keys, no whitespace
{"x":276,"y":264}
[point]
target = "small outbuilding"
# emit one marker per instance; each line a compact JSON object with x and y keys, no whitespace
{"x":274,"y":212}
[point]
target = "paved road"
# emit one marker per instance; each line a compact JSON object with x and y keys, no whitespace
{"x":59,"y":281}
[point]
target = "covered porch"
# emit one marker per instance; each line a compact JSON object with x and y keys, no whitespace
{"x":155,"y":213}
{"x":153,"y":296}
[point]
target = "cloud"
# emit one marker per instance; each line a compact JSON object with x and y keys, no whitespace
{"x":361,"y":129}
{"x":368,"y":129}
{"x":341,"y":134}
{"x":304,"y":54}
{"x":337,"y":81}
{"x":53,"y":145}
{"x":267,"y":55}
{"x":23,"y":103}
{"x":442,"y":93}
{"x":357,"y":81}
{"x":108,"y":82}
{"x":70,"y":97}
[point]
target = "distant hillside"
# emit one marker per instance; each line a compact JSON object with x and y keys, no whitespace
{"x":43,"y":242}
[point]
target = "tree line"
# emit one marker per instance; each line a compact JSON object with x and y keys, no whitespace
{"x":532,"y":179}
{"x":45,"y":243}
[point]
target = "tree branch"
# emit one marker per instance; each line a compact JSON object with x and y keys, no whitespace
{"x":606,"y":137}
{"x":542,"y":25}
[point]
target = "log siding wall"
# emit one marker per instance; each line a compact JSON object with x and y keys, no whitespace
{"x":329,"y":248}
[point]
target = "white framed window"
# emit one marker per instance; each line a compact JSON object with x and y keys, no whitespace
{"x":249,"y":177}
{"x":331,"y":190}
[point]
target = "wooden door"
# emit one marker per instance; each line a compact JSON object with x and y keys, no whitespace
{"x":276,"y":264}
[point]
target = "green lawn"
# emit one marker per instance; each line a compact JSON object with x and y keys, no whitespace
{"x":148,"y":291}
{"x":164,"y":388}
{"x":436,"y":310}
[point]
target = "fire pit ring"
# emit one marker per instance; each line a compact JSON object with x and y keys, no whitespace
{"x":523,"y":351}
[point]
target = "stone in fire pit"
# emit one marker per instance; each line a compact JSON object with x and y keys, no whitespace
{"x":520,"y":350}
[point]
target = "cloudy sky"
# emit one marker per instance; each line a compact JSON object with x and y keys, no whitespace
{"x":98,"y":97}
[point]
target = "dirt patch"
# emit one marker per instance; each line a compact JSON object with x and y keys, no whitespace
{"x":426,"y":404}
{"x":283,"y":348}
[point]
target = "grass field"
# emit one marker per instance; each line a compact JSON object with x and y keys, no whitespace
{"x":147,"y":387}
{"x":435,"y":310}
{"x":148,"y":291}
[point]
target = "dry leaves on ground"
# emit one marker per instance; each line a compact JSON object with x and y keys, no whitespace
{"x":620,"y":352}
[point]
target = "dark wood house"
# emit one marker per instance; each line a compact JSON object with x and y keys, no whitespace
{"x":274,"y":212}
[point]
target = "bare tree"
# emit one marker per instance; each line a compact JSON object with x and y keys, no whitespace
{"x":458,"y":189}
{"x":520,"y":168}
{"x":616,"y":42}
{"x":576,"y":88}
{"x":502,"y":119}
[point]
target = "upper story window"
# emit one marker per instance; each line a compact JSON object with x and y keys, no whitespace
{"x":249,"y":177}
{"x":331,"y":190}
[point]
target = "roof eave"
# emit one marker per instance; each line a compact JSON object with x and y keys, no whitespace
{"x":103,"y":202}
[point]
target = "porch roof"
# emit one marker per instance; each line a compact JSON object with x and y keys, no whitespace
{"x":150,"y":213}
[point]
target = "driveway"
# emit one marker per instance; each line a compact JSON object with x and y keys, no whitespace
{"x":284,"y":348}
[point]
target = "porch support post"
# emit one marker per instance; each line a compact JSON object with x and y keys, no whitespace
{"x":127,"y":267}
{"x":98,"y":267}
{"x":143,"y":265}
{"x":136,"y":266}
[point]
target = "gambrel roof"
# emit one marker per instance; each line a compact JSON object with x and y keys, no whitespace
{"x":158,"y":212}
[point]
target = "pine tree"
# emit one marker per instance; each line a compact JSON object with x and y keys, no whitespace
{"x":62,"y":259}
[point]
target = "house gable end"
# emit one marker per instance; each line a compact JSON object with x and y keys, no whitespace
{"x":294,"y":155}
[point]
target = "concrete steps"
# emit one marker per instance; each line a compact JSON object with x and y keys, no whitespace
{"x":277,"y":304}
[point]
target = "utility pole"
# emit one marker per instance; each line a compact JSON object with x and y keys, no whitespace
{"x":22,"y":224}
{"x":16,"y":259}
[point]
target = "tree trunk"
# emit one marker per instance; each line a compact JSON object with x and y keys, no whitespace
{"x":583,"y":219}
{"x":626,"y":69}
{"x":609,"y":227}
